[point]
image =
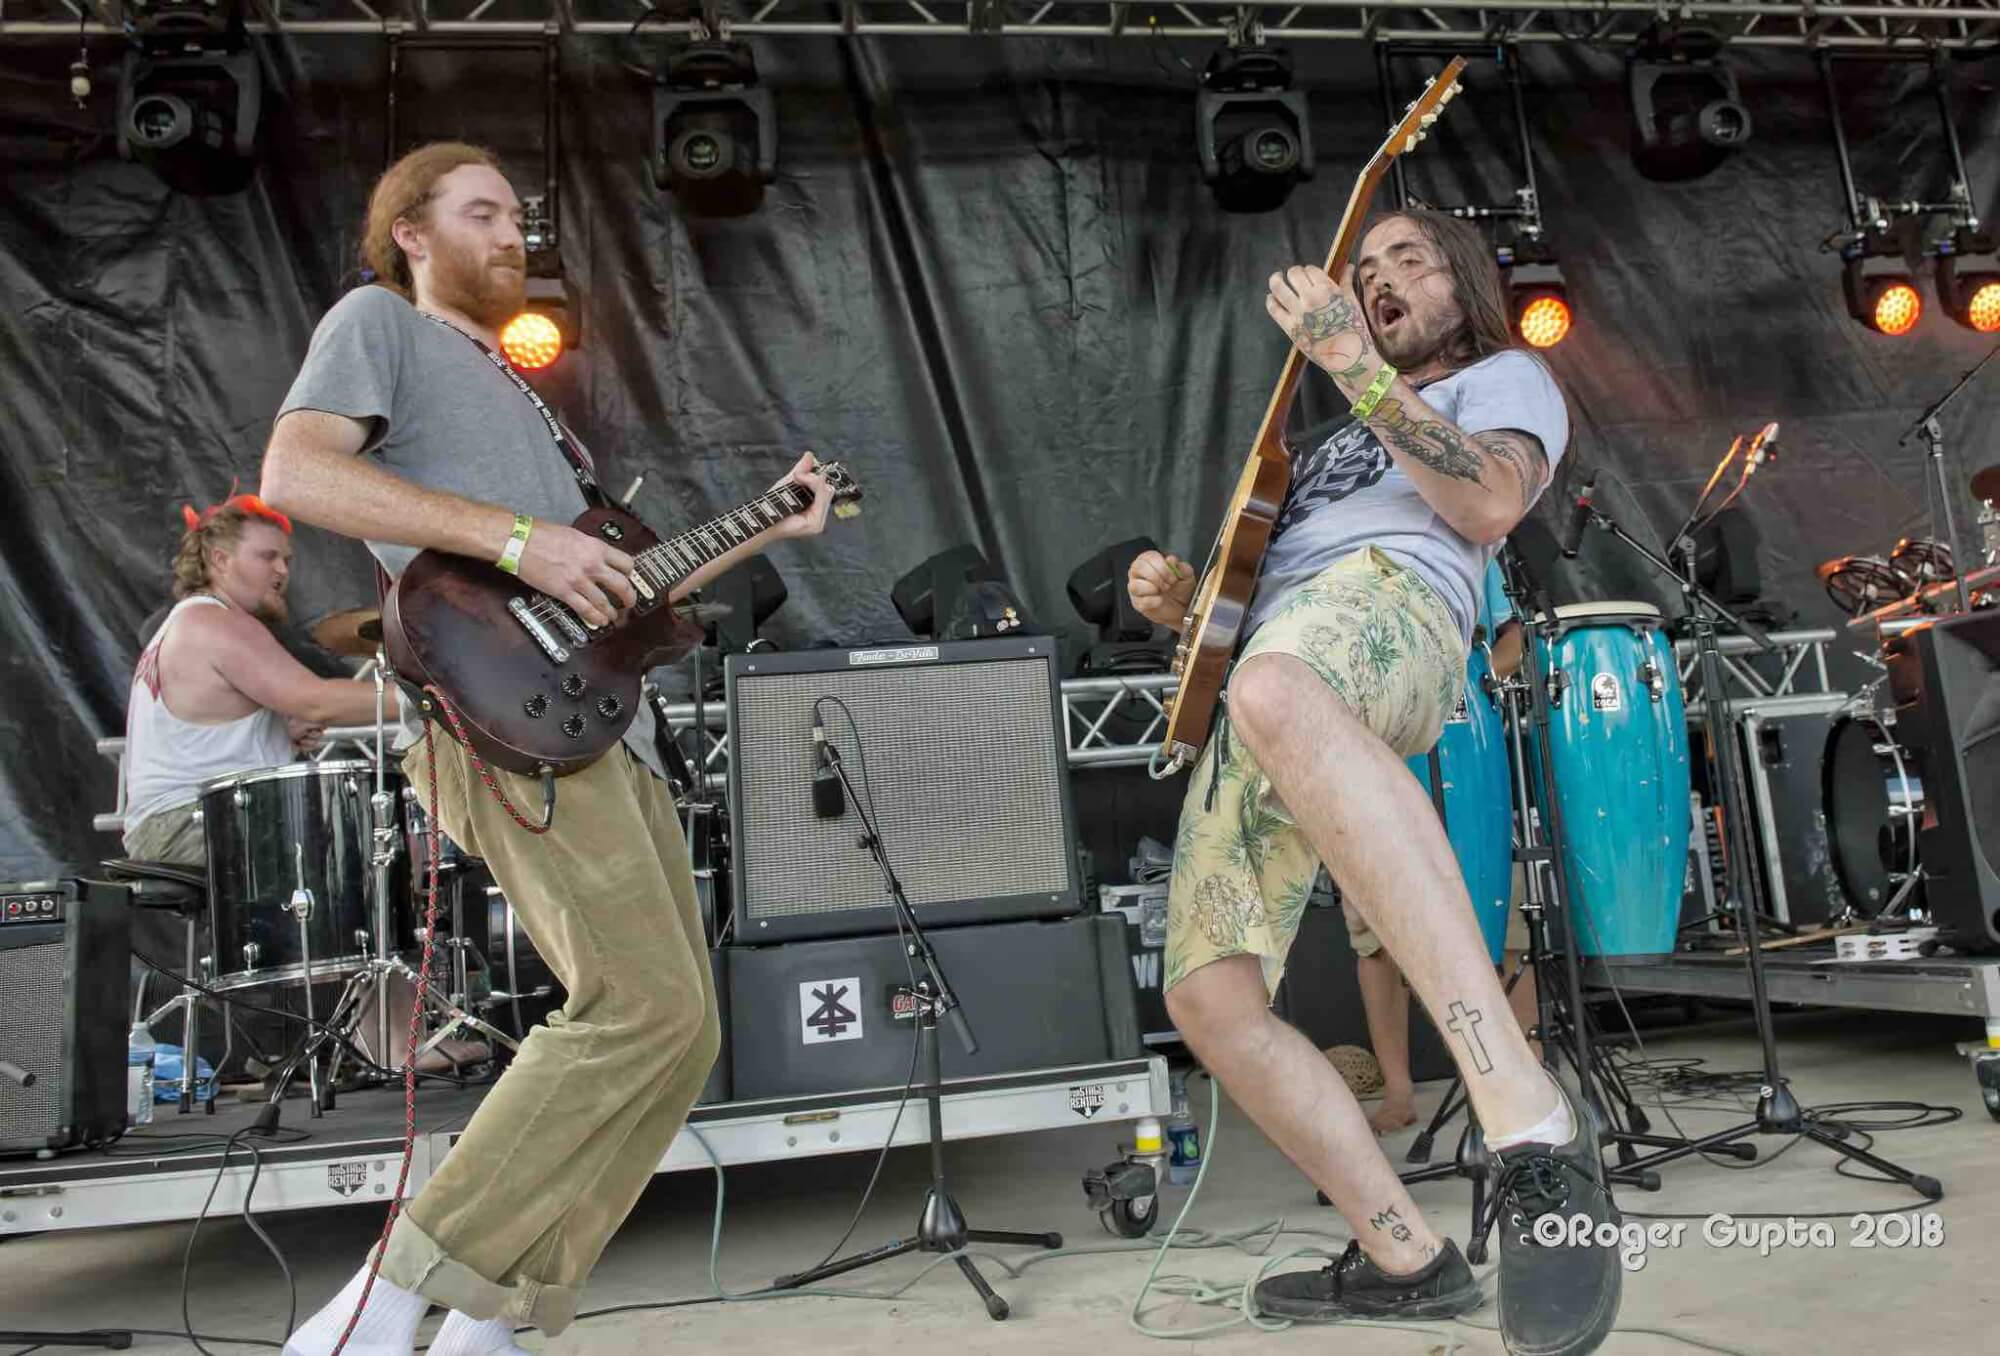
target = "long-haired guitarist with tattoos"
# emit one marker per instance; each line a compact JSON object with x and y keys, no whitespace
{"x":403,"y":428}
{"x":1356,"y":649}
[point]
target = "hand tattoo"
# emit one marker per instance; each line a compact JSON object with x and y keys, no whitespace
{"x":1430,"y":442}
{"x":1332,"y":336}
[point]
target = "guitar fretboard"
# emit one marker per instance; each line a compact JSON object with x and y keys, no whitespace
{"x":671,"y":561}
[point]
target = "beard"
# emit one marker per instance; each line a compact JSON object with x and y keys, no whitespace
{"x":1418,"y":339}
{"x":477,"y":286}
{"x":272,"y":610}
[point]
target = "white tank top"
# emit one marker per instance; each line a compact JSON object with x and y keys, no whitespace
{"x":167,"y":758}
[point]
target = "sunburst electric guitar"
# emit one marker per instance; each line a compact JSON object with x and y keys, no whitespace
{"x":1214,"y":623}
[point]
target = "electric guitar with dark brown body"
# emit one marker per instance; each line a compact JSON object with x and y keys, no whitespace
{"x":537,"y":691}
{"x":1213,"y":627}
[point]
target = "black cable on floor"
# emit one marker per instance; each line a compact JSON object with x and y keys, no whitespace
{"x":249,"y":1193}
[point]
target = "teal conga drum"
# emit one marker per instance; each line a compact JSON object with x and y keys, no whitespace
{"x":1619,"y":744}
{"x":1478,"y":809}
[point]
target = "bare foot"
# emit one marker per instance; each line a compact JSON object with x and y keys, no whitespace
{"x":1398,"y":1109}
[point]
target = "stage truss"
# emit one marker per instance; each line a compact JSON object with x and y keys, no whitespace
{"x":1867,"y":25}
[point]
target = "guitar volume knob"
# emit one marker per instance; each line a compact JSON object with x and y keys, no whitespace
{"x":573,"y":727}
{"x":536,"y":706}
{"x":609,"y":707}
{"x":572,"y":685}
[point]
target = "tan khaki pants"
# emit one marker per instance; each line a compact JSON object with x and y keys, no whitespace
{"x":557,"y":1154}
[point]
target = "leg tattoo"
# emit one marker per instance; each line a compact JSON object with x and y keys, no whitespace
{"x":1392,"y":1220}
{"x":1464,"y":1024}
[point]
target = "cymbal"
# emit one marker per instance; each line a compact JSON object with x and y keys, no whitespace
{"x":353,"y":632}
{"x":1986,"y":483}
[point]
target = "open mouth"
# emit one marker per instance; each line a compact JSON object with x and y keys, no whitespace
{"x":1388,"y":311}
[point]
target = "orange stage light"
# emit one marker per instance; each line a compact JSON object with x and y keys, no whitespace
{"x":531,"y":341}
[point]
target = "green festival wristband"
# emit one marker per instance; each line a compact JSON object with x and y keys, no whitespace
{"x":510,"y":559}
{"x":1372,"y":397}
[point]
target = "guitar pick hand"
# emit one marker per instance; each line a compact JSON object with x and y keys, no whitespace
{"x":591,"y":579}
{"x":1161,"y":587}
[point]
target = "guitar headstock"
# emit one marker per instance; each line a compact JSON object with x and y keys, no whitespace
{"x":846,"y":489}
{"x":1416,"y":121}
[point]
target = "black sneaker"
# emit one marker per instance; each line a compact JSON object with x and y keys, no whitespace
{"x":1354,"y":1287}
{"x":1556,"y":1299}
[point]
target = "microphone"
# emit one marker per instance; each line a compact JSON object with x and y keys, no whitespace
{"x":829,"y":797}
{"x":1579,"y":518}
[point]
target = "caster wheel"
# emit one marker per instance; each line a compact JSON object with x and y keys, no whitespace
{"x":997,"y":1307}
{"x":1132,"y":1219}
{"x":1475,"y":1252}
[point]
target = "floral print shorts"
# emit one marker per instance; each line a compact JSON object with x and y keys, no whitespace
{"x":1387,"y":645}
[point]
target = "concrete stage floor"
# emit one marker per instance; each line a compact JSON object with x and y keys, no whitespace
{"x":1845,"y":1298}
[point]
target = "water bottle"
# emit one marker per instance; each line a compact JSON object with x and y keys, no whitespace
{"x":139,"y":1050}
{"x":1183,"y":1135}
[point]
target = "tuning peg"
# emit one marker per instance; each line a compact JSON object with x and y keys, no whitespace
{"x":1429,"y":118}
{"x":1409,"y":144}
{"x":1422,"y":135}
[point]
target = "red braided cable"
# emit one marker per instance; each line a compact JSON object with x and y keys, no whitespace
{"x":432,"y":834}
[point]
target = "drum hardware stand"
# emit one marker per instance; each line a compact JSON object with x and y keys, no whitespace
{"x":941,"y":1228}
{"x":1933,"y":435}
{"x":1778,"y":1111}
{"x":188,"y":1000}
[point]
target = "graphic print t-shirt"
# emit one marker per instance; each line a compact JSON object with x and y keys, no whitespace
{"x":1347,"y":493}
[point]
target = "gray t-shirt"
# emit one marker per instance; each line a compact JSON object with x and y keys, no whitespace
{"x":1347,"y":492}
{"x":442,"y":415}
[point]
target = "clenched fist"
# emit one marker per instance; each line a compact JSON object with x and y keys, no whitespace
{"x":1161,"y":587}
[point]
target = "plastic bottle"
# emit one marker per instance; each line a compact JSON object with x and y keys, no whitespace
{"x":1183,"y":1136}
{"x":139,"y":1050}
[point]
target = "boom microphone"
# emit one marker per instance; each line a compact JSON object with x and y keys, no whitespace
{"x":1579,"y":518}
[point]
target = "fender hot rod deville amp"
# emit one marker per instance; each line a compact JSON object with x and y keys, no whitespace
{"x":65,"y":999}
{"x":964,"y":749}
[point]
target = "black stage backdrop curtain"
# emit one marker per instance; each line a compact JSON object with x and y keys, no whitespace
{"x":988,"y":277}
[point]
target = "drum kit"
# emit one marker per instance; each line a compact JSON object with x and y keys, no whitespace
{"x":1873,"y":795}
{"x":317,"y":875}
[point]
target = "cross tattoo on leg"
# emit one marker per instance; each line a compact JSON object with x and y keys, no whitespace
{"x":1464,"y":1024}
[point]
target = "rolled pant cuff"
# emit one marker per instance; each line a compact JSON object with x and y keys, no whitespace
{"x":415,"y":1261}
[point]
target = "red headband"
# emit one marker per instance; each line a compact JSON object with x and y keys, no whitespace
{"x":248,"y":503}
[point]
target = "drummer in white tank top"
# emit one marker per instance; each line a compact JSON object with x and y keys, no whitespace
{"x":215,"y":693}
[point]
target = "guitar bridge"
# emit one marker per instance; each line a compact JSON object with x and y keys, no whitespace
{"x":539,"y":629}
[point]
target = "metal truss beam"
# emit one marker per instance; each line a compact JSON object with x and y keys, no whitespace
{"x":1863,"y":25}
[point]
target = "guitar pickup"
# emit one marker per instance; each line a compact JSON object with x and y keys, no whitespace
{"x":535,"y":627}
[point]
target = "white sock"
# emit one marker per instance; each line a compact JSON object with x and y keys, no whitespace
{"x":462,"y":1336}
{"x":1558,"y":1127}
{"x":387,"y":1328}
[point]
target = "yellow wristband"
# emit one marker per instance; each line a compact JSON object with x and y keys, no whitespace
{"x":1372,"y":397}
{"x":510,"y":559}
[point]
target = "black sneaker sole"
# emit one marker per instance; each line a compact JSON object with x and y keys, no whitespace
{"x":1327,"y":1311}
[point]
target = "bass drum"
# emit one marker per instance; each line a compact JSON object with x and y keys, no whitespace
{"x":1618,"y":742}
{"x":1874,"y":803}
{"x":1478,"y":805}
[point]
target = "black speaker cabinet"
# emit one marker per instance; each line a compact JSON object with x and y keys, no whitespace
{"x":964,"y":749}
{"x":65,"y":995}
{"x":1946,"y":681}
{"x":821,"y":1016}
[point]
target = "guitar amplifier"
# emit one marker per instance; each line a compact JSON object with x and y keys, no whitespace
{"x":964,"y":749}
{"x":65,"y":991}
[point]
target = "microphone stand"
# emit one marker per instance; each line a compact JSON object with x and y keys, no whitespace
{"x":1778,"y":1111}
{"x":941,"y":1228}
{"x":1933,"y":435}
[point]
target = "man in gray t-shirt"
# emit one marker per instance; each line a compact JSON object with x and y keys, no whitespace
{"x":402,"y":430}
{"x":1355,"y":656}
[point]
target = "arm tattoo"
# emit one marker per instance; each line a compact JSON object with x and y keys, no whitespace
{"x":1430,"y":442}
{"x":1520,"y":453}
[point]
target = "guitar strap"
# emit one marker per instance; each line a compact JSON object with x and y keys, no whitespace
{"x":572,"y":454}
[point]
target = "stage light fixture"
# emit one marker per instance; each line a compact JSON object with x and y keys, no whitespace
{"x":1537,"y":295}
{"x":1687,"y":114}
{"x":1251,"y":129}
{"x":189,"y":96}
{"x":1968,"y":280}
{"x":715,"y":132}
{"x":1881,"y":293}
